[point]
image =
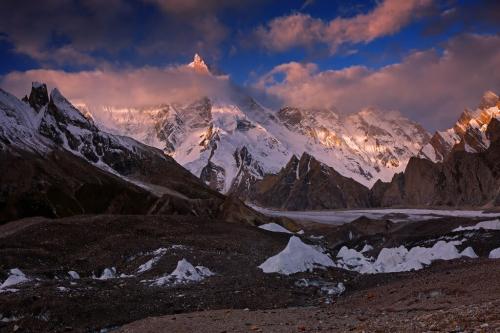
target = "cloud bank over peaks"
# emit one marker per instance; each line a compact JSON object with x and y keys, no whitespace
{"x":133,"y":87}
{"x":431,"y":86}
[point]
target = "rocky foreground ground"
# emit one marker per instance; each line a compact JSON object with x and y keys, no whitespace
{"x":112,"y":293}
{"x":449,"y":297}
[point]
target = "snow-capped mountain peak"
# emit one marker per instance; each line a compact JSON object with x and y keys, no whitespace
{"x":198,"y":64}
{"x":229,"y":140}
{"x":468,"y":133}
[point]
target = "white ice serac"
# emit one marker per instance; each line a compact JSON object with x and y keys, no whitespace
{"x":296,"y":257}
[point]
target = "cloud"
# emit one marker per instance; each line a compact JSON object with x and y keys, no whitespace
{"x":66,"y":32}
{"x":306,"y":4}
{"x":468,"y":15}
{"x":429,"y":86}
{"x":89,"y":33}
{"x":123,"y":88}
{"x":197,"y":7}
{"x":302,"y":30}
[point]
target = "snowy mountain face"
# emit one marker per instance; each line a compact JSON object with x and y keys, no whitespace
{"x":468,"y":133}
{"x":56,"y":162}
{"x":41,"y":124}
{"x":366,"y":146}
{"x":462,"y":179}
{"x":217,"y":141}
{"x":231,"y":142}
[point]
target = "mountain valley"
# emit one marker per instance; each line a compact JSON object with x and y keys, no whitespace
{"x":100,"y":232}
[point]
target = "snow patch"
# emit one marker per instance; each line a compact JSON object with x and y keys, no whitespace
{"x":36,"y":84}
{"x":108,"y":273}
{"x":353,"y":260}
{"x":487,"y":225}
{"x":74,"y":275}
{"x":16,"y":276}
{"x":274,"y":227}
{"x":157,"y":254}
{"x":296,"y":257}
{"x":10,"y":319}
{"x":494,"y":254}
{"x":327,"y":288}
{"x":468,"y":252}
{"x":338,"y":290}
{"x":400,"y":259}
{"x":318,"y":237}
{"x":367,"y":248}
{"x":185,"y":272}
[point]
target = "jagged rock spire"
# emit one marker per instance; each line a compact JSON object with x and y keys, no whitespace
{"x":38,"y":96}
{"x":198,"y":64}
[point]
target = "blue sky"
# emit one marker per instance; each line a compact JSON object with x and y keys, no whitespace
{"x":247,"y":39}
{"x":236,"y":53}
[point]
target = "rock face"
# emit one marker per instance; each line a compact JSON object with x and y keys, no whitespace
{"x":58,"y":184}
{"x":38,"y":96}
{"x":468,"y":133}
{"x":305,"y":184}
{"x":56,"y":162}
{"x":463,"y":179}
{"x":468,"y":176}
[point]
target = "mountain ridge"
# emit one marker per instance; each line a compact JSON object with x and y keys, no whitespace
{"x":468,"y":133}
{"x":57,"y":163}
{"x":464,"y":178}
{"x":207,"y":135}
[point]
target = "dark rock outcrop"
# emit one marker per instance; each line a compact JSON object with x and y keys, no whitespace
{"x":248,"y":173}
{"x":38,"y":96}
{"x":309,"y":184}
{"x":463,"y":179}
{"x":60,"y":184}
{"x":65,"y":165}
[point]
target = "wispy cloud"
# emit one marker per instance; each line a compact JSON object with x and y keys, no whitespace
{"x":197,"y":7}
{"x":302,"y":30}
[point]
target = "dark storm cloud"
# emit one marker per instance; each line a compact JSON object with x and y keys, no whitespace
{"x":65,"y":31}
{"x":468,"y":14}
